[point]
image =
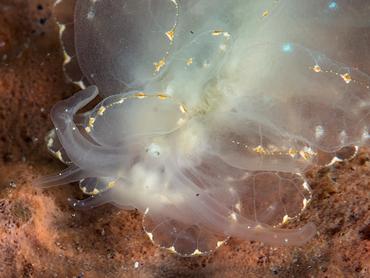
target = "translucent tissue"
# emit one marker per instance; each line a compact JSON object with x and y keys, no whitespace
{"x":212,"y":110}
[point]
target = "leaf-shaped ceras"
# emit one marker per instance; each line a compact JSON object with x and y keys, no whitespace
{"x":212,"y":110}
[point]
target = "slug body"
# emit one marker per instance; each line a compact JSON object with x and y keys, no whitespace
{"x":212,"y":111}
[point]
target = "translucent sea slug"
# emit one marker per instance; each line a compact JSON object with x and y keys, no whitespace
{"x":212,"y":110}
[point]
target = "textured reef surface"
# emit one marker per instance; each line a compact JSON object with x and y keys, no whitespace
{"x":42,"y":236}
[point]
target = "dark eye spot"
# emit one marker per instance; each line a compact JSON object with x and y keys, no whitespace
{"x":42,"y":21}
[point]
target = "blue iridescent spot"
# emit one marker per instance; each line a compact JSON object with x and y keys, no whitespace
{"x":287,"y":48}
{"x":333,"y":5}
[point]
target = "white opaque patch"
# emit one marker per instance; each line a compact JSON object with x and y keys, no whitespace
{"x":365,"y":135}
{"x":211,"y":111}
{"x":343,"y":137}
{"x":319,"y":132}
{"x":154,"y":150}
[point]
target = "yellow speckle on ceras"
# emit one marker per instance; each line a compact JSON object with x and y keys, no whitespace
{"x":140,"y":95}
{"x":171,"y":34}
{"x":346,"y":77}
{"x":292,"y":152}
{"x":260,"y":150}
{"x":217,"y":33}
{"x":162,"y":96}
{"x":265,"y":13}
{"x":317,"y":68}
{"x":91,"y":122}
{"x":90,"y":125}
{"x":159,"y":65}
{"x":101,"y":110}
